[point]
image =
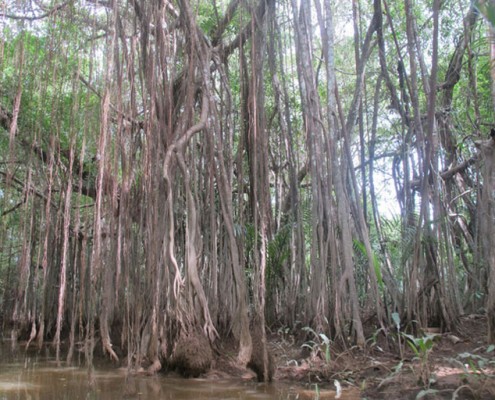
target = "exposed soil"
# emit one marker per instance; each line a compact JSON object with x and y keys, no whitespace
{"x":264,"y":369}
{"x":192,"y":355}
{"x":458,"y":366}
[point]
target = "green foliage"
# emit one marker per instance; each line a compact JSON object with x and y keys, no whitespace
{"x":320,"y":344}
{"x":421,"y":347}
{"x":477,"y":369}
{"x":361,"y":249}
{"x":49,"y":90}
{"x":278,"y":253}
{"x":397,"y":370}
{"x":426,"y":392}
{"x":396,"y":319}
{"x":317,"y":391}
{"x":206,"y":16}
{"x":476,"y":364}
{"x":399,"y":239}
{"x":487,"y":8}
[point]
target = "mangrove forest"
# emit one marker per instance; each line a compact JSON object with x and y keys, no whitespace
{"x":182,"y":179}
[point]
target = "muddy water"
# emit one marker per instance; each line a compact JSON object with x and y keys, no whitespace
{"x":33,"y":376}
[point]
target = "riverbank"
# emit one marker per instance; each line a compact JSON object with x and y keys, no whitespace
{"x":431,"y":366}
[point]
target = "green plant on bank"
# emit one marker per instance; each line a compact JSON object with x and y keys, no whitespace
{"x":394,"y":372}
{"x":317,"y":392}
{"x":284,"y":334}
{"x":396,"y":319}
{"x":421,"y":347}
{"x":477,"y":364}
{"x":338,"y":390}
{"x":321,"y":344}
{"x":425,"y":392}
{"x":372,"y":341}
{"x":478,"y":368}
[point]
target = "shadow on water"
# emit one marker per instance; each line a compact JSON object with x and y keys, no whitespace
{"x":36,"y":376}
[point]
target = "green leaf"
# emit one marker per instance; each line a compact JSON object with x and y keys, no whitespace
{"x":358,"y":245}
{"x":413,"y":339}
{"x":398,"y":367}
{"x":310,"y":330}
{"x":317,"y":391}
{"x":310,"y":345}
{"x":487,"y":8}
{"x":396,"y":318}
{"x":424,"y":393}
{"x":325,"y":338}
{"x":490,"y":348}
{"x":327,"y":354}
{"x":413,"y":348}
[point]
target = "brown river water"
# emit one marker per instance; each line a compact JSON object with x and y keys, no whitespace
{"x":37,"y":376}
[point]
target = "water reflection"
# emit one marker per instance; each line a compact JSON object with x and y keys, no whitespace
{"x":38,"y":377}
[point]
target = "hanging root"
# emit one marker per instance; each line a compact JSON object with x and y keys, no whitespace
{"x":154,"y":367}
{"x":107,"y":348}
{"x":32,"y":336}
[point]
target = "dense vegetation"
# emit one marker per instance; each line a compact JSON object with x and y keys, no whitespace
{"x":195,"y":171}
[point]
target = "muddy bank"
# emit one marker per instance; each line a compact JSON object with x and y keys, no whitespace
{"x":460,"y":363}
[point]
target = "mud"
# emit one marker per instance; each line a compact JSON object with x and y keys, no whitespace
{"x":192,"y":356}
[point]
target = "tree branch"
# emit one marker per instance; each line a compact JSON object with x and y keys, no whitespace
{"x":36,"y":17}
{"x":246,"y":32}
{"x":449,"y":174}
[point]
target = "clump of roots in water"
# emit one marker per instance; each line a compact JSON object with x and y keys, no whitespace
{"x":192,"y":355}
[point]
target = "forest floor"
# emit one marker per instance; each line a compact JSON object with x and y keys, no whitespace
{"x":456,"y":365}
